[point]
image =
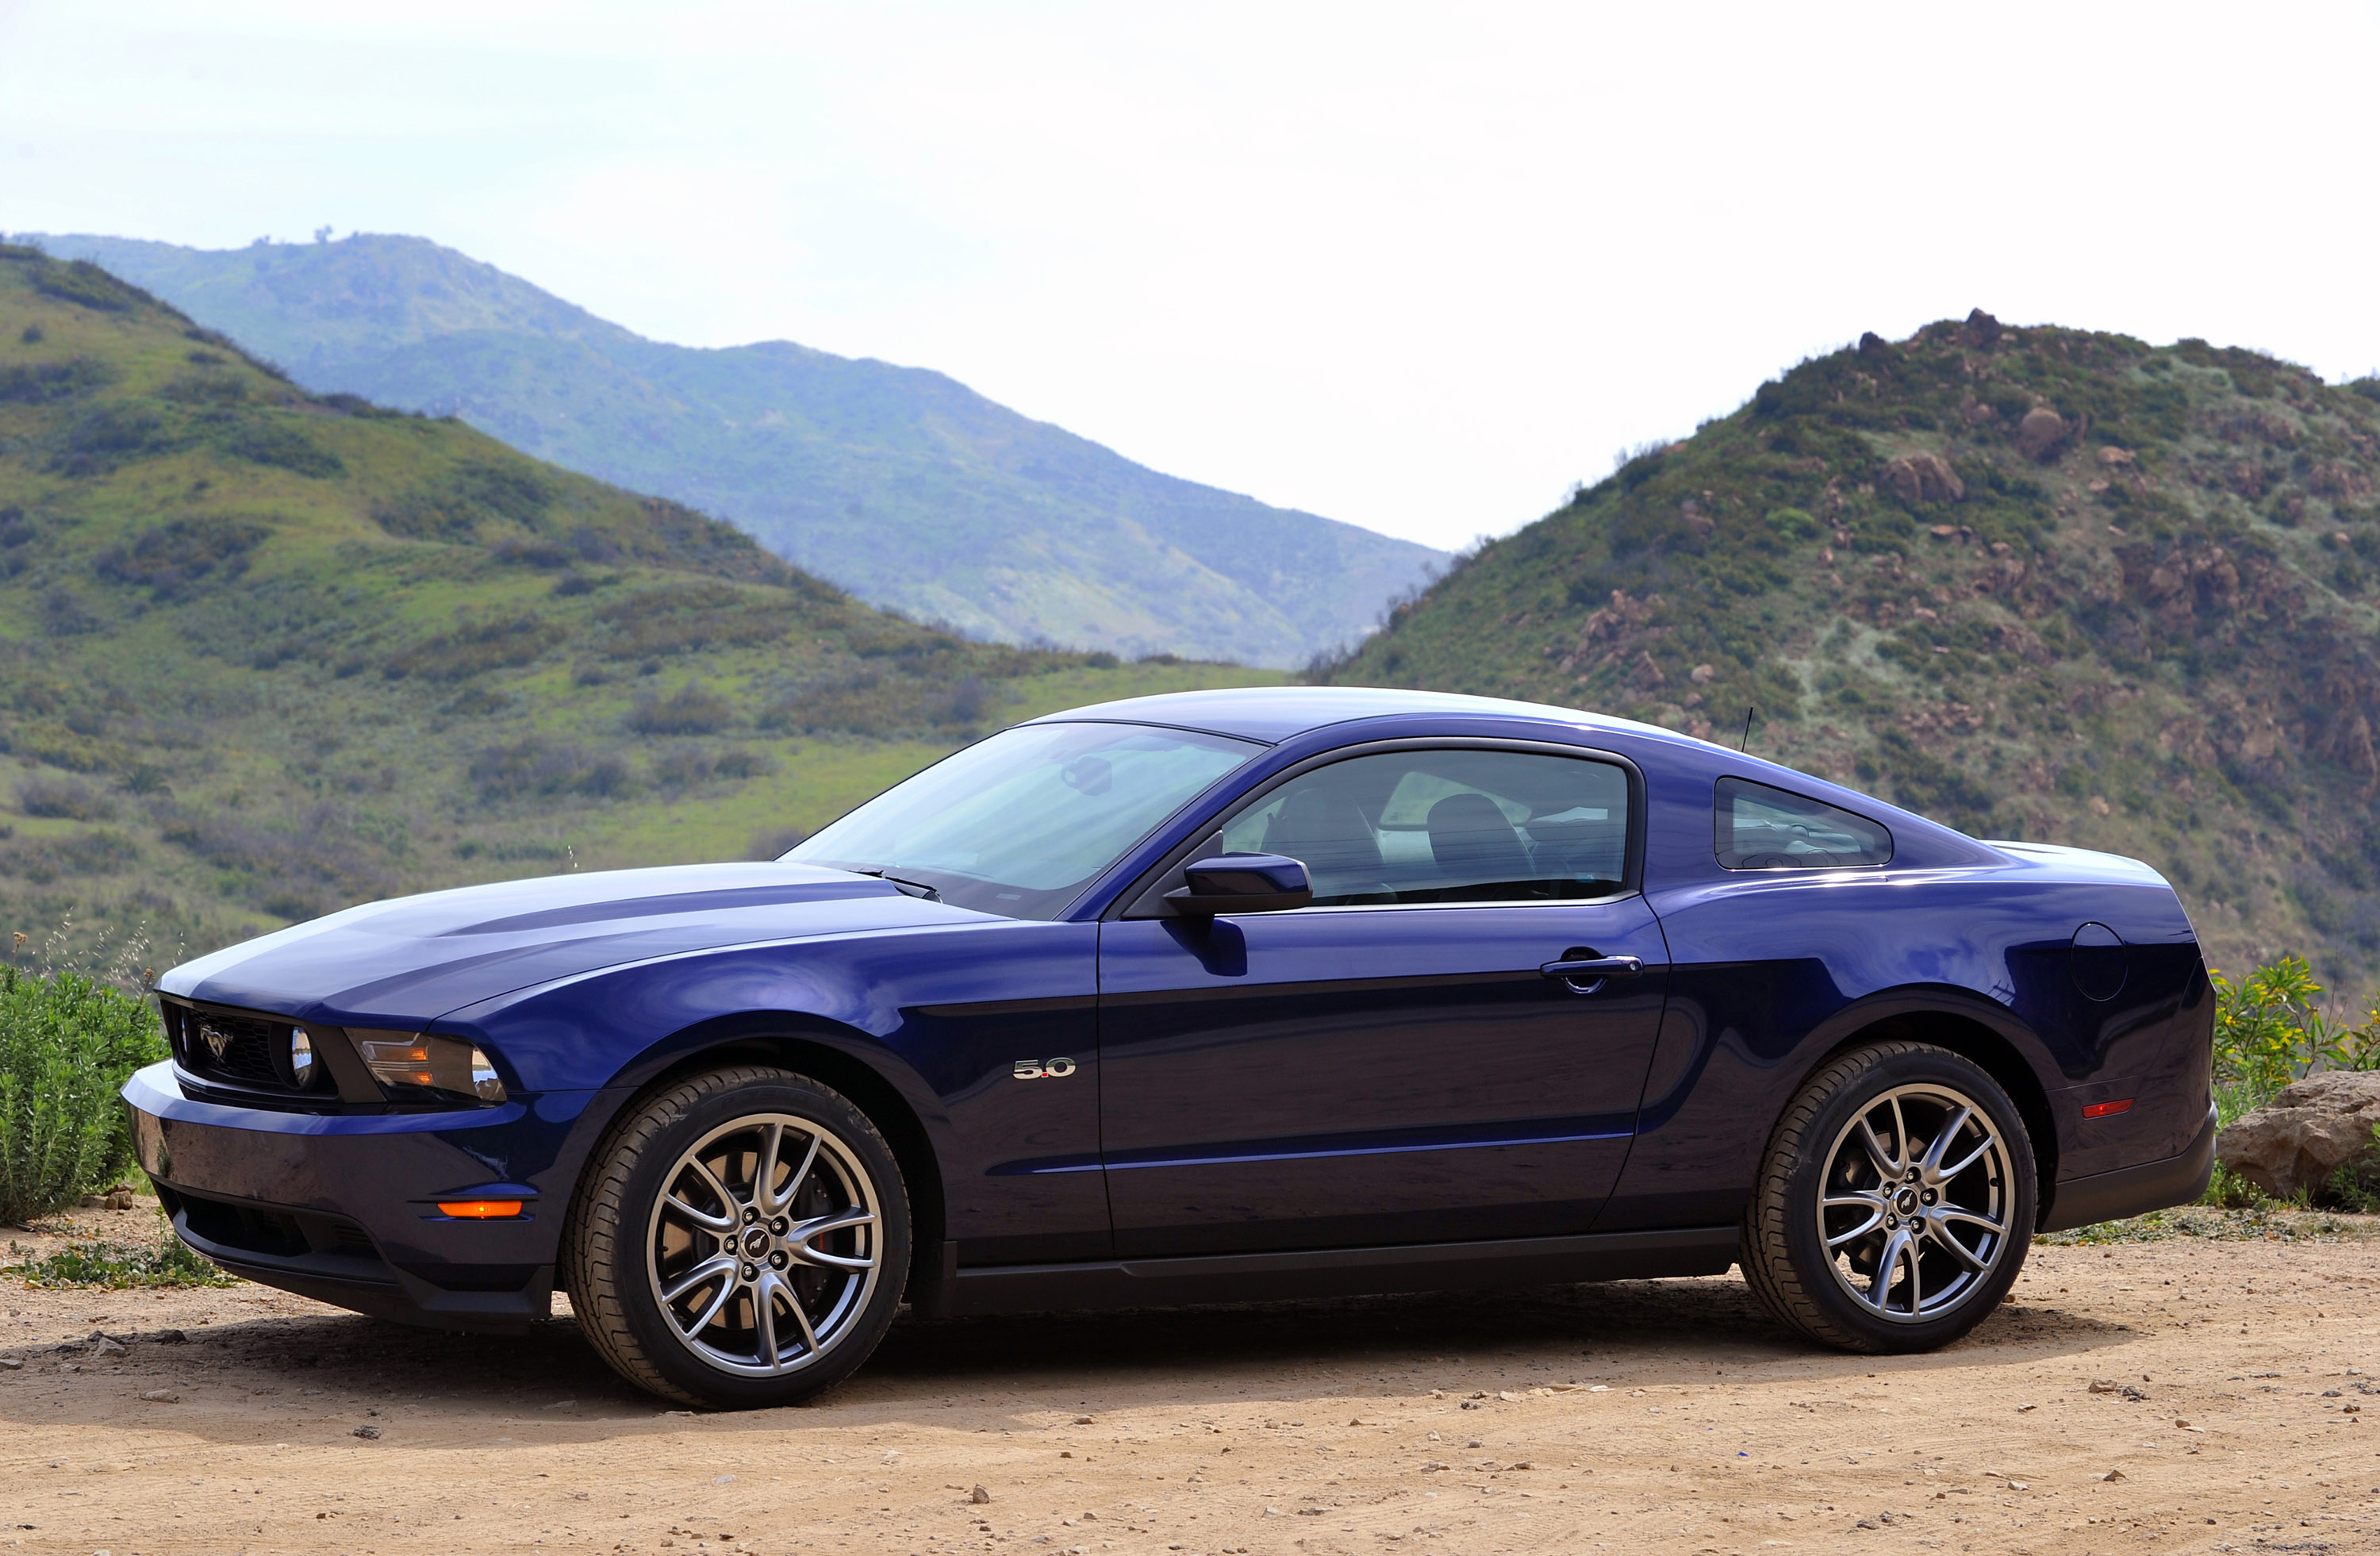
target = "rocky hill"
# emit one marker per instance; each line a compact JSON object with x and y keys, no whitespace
{"x":2040,"y":582}
{"x":900,"y":484}
{"x":265,"y":653}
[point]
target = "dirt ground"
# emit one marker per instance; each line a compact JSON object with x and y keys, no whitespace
{"x":2184,"y":1395}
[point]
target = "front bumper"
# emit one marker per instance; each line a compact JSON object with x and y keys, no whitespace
{"x":343,"y":1207}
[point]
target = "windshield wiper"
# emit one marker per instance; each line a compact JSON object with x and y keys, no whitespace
{"x":907,"y":888}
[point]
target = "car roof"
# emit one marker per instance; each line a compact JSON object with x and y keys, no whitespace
{"x":1272,"y":714}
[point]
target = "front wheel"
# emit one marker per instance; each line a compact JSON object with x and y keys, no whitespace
{"x":1896,"y":1204}
{"x":742,"y":1241}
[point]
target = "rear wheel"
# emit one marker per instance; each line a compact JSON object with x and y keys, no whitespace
{"x":1896,"y":1203}
{"x":743,"y":1241}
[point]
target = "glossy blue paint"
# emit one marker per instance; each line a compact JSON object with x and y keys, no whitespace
{"x":1331,"y":1077}
{"x":1351,"y":1075}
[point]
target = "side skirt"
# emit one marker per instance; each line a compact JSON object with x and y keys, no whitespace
{"x":1271,"y":1277}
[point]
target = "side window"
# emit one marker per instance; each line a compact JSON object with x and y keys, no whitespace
{"x":1761,"y":828}
{"x":1450,"y":826}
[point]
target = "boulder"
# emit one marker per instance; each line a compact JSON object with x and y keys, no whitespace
{"x":2041,"y":434}
{"x":1874,"y":347}
{"x":1922,"y":478}
{"x":2310,"y":1131}
{"x":1980,"y":329}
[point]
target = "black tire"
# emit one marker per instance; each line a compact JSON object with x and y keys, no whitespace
{"x":1931,"y":1295}
{"x":625,"y":1249}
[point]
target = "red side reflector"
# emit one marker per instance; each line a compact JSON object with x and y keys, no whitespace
{"x":479,"y":1209}
{"x":2108,"y":1110}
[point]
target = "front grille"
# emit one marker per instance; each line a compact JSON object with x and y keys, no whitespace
{"x":246,"y":1051}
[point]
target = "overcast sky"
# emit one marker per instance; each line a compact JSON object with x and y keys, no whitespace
{"x":1415,"y":267}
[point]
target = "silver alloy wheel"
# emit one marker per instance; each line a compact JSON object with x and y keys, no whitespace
{"x":1914,"y":1211}
{"x":765,"y":1244}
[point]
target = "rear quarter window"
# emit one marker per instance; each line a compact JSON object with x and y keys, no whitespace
{"x":1763,"y":827}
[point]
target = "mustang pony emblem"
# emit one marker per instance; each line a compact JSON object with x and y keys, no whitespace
{"x":216,"y":1038}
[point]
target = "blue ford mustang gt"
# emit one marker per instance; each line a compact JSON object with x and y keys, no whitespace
{"x":1205,"y":997}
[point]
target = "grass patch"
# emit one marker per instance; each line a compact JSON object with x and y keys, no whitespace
{"x":2268,"y":1221}
{"x":117,"y":1266}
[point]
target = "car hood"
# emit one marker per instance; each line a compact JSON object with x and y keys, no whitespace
{"x":412,"y":959}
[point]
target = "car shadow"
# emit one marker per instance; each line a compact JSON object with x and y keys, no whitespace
{"x":322,"y":1373}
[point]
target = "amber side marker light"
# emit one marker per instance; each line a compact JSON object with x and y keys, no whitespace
{"x":2108,"y":1110}
{"x":479,"y":1209}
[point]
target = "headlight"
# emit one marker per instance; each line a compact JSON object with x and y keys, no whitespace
{"x":301,"y":1058}
{"x":421,"y":1066}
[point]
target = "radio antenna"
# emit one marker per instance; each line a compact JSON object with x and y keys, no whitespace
{"x":1744,"y":745}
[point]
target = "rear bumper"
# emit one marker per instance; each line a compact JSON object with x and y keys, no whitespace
{"x":344,"y":1209}
{"x":2134,"y":1191}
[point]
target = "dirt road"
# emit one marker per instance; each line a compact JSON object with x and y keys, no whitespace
{"x":2181,"y":1396}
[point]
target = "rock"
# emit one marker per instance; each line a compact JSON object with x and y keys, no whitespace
{"x":170,"y":1337}
{"x":2041,"y":434}
{"x":979,"y":1496}
{"x":1703,"y":674}
{"x":160,"y":1396}
{"x":2115,"y":1474}
{"x":2110,"y":454}
{"x":1874,"y":347}
{"x":11,"y":1363}
{"x":1980,"y":329}
{"x":1922,"y":478}
{"x":366,"y":1433}
{"x":103,"y":1346}
{"x":2314,"y":1128}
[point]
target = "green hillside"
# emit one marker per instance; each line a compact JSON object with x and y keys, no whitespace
{"x":2041,"y":583}
{"x":899,"y":483}
{"x":263,"y":652}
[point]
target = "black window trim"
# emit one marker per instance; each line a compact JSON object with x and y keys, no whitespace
{"x":1716,"y":820}
{"x":1139,"y":899}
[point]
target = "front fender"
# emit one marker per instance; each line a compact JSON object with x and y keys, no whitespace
{"x":941,"y":1016}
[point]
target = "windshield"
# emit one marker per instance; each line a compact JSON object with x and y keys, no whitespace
{"x":1020,"y":823}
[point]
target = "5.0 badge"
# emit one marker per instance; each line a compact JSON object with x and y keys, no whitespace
{"x":1044,"y":1069}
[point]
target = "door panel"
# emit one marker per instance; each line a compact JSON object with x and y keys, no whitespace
{"x":1345,"y":1076}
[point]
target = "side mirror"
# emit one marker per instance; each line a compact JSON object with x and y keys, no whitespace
{"x":1241,"y":884}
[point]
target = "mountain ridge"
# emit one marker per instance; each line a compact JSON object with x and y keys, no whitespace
{"x":264,"y":653}
{"x":898,"y":482}
{"x":2041,"y":582}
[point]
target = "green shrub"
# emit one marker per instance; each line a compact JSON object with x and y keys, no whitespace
{"x":2268,"y":1032}
{"x":170,"y":557}
{"x":475,"y":493}
{"x":691,"y":710}
{"x":475,"y":648}
{"x":270,"y":441}
{"x":67,"y":1044}
{"x":79,"y":281}
{"x":69,"y":801}
{"x":689,"y":617}
{"x":46,"y":383}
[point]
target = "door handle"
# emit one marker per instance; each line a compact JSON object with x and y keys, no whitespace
{"x":1594,"y":967}
{"x":1586,"y":975}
